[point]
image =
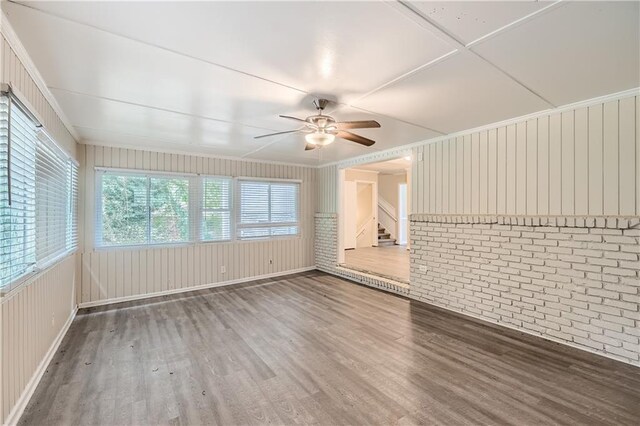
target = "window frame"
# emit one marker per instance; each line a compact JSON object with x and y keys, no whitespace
{"x":196,"y":209}
{"x":68,"y":246}
{"x":148,"y":174}
{"x":270,"y":224}
{"x":201,"y":208}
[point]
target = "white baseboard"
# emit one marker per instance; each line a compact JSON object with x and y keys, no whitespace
{"x":187,"y":289}
{"x":18,"y":408}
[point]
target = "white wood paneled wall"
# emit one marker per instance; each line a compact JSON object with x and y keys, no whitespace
{"x":32,"y":319}
{"x":33,"y":315}
{"x":584,"y":161}
{"x":328,"y":189}
{"x":123,"y":273}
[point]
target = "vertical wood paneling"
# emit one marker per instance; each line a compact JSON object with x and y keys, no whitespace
{"x":531,"y":161}
{"x":555,"y":165}
{"x":581,"y":162}
{"x":543,"y":166}
{"x":568,"y":163}
{"x":511,"y":169}
{"x":611,"y":159}
{"x":492,"y":184}
{"x":32,"y":318}
{"x":521,"y":168}
{"x":627,"y":154}
{"x":483,"y":182}
{"x":109,"y":274}
{"x":577,"y":162}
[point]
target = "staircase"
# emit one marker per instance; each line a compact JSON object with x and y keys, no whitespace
{"x":384,"y":238}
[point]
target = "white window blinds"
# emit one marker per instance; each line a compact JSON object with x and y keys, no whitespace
{"x":267,"y":209}
{"x":18,"y":197}
{"x":38,"y":196}
{"x":138,"y":209}
{"x":216,"y":209}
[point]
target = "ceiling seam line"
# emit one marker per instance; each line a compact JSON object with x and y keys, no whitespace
{"x":175,"y":52}
{"x":522,"y":20}
{"x":203,"y":117}
{"x":203,"y":60}
{"x":463,"y":46}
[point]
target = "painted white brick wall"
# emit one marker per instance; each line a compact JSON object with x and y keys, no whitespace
{"x":571,"y":280}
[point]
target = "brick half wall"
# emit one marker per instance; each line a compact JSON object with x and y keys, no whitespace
{"x":574,"y":280}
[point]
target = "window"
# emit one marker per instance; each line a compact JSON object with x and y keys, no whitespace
{"x":216,"y":209}
{"x":137,"y":208}
{"x":267,"y":209}
{"x":38,"y":195}
{"x":146,"y":208}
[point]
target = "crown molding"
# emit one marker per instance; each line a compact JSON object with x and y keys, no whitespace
{"x":14,"y":41}
{"x":165,"y":150}
{"x":391,"y":153}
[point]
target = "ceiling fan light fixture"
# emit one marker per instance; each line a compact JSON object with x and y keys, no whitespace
{"x":320,"y":138}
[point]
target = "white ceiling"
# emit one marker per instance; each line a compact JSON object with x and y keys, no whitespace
{"x":208,"y":77}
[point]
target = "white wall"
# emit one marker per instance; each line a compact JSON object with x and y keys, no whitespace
{"x":117,"y":274}
{"x":583,"y":161}
{"x":33,"y":316}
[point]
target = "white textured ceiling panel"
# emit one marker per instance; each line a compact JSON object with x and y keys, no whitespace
{"x":579,"y":51}
{"x":341,"y":48}
{"x":470,"y":20}
{"x":458,"y":93}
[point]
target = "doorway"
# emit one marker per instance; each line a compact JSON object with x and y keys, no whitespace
{"x":373,"y":219}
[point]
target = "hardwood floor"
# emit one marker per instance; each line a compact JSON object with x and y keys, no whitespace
{"x":386,"y":261}
{"x":315,"y":349}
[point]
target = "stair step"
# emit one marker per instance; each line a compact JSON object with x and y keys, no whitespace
{"x":384,"y":236}
{"x":387,"y":242}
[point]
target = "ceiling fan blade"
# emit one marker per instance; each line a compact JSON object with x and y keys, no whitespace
{"x":354,"y":138}
{"x":277,"y":133}
{"x":363,"y":124}
{"x":309,"y":147}
{"x":294,"y":118}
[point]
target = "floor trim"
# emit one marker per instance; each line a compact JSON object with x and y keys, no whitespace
{"x":187,"y":289}
{"x":21,"y":404}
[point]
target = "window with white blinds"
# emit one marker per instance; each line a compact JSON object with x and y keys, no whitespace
{"x":153,"y":208}
{"x":216,"y":209}
{"x":38,"y":196}
{"x":267,"y":209}
{"x":140,"y":209}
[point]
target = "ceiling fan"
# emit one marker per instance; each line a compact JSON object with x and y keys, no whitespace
{"x":321,"y":130}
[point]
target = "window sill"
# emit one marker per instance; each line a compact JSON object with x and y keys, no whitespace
{"x":197,"y":243}
{"x":19,"y":284}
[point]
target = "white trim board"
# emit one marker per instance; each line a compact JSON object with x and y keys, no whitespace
{"x":20,"y":405}
{"x":194,"y":288}
{"x":14,"y":41}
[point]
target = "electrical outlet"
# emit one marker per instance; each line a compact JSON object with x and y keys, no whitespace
{"x":223,"y":269}
{"x":423,"y":269}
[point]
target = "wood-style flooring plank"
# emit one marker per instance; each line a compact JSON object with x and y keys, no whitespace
{"x":315,"y":349}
